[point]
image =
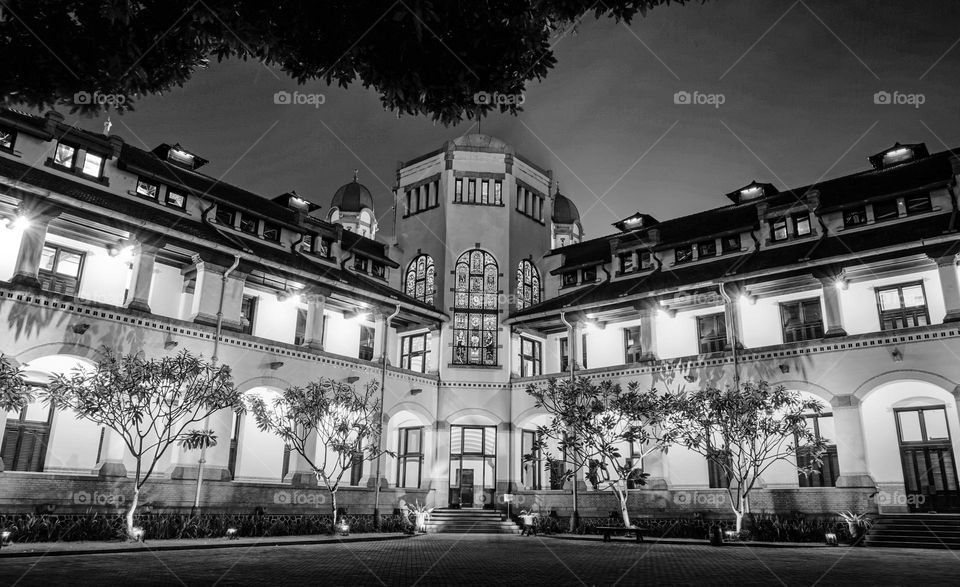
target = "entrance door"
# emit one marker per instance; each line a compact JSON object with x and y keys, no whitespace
{"x":466,"y":488}
{"x":929,"y":468}
{"x":473,"y":466}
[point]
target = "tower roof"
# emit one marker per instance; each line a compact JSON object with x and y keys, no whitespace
{"x":352,"y":197}
{"x":564,"y":210}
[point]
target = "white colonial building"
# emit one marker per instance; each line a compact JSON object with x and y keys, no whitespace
{"x":846,"y":290}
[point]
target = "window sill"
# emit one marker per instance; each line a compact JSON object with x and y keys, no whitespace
{"x":11,"y":152}
{"x":501,"y":205}
{"x":154,"y":202}
{"x":103,"y":180}
{"x":791,"y":239}
{"x":418,"y":212}
{"x":458,"y":366}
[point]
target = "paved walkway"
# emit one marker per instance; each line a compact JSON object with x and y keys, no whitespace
{"x":493,"y":560}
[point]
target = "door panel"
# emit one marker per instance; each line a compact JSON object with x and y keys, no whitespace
{"x":929,"y":467}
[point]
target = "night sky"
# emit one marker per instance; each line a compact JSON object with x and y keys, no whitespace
{"x":797,"y":81}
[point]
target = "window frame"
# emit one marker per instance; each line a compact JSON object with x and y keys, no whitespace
{"x":51,"y":278}
{"x":405,"y":455}
{"x":684,"y":254}
{"x":534,"y":359}
{"x":813,"y":330}
{"x":724,"y":244}
{"x":775,"y":228}
{"x":632,"y":353}
{"x":831,"y":461}
{"x":708,"y":345}
{"x":711,"y":249}
{"x":479,"y":346}
{"x":529,"y":291}
{"x":429,"y":279}
{"x":250,"y":317}
{"x":368,"y":334}
{"x":887,"y":217}
{"x":797,"y":219}
{"x":11,"y":138}
{"x":156,"y":189}
{"x":407,"y":354}
{"x":847,"y":213}
{"x":168,"y":203}
{"x":269,"y":226}
{"x":905,"y":312}
{"x":18,"y":428}
{"x":82,"y":168}
{"x":221,"y":209}
{"x":73,"y":156}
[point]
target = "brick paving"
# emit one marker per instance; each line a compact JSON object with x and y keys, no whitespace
{"x":492,"y":560}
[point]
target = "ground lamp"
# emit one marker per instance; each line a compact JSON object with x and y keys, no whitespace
{"x":137,"y":534}
{"x":343,"y":529}
{"x":232,"y":534}
{"x":831,"y":539}
{"x":730,"y":535}
{"x":6,"y":538}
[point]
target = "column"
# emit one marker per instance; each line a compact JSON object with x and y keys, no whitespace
{"x":3,"y":429}
{"x":313,"y":334}
{"x":648,"y":333}
{"x":300,"y":473}
{"x":206,"y":297}
{"x":851,"y":452}
{"x":380,"y":335}
{"x":833,"y":316}
{"x":731,"y":315}
{"x":440,"y":472}
{"x":574,"y":352}
{"x":141,"y":279}
{"x":34,"y":236}
{"x":112,"y":452}
{"x":947,"y":268}
{"x":435,"y":356}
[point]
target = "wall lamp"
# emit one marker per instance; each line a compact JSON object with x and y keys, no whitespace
{"x":276,"y":365}
{"x":416,"y":391}
{"x":80,"y":328}
{"x":896,"y":355}
{"x":170,"y":344}
{"x":748,"y":299}
{"x":19,"y":223}
{"x":841,"y":284}
{"x":667,"y":313}
{"x":360,"y":315}
{"x":784,"y":368}
{"x":689,"y":378}
{"x":351,"y":379}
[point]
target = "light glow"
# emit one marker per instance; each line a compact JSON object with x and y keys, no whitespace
{"x":841,"y":284}
{"x":21,"y":223}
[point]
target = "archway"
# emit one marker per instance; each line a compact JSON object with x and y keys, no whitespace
{"x":260,"y":456}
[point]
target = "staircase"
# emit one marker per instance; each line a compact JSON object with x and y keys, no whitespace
{"x":916,"y":531}
{"x":469,"y":521}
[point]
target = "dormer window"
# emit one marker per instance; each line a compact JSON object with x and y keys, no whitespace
{"x":570,"y":279}
{"x":752,"y":191}
{"x":898,"y":154}
{"x":175,"y":199}
{"x":271,"y":232}
{"x":64,"y":155}
{"x":360,"y":264}
{"x":306,"y":244}
{"x":92,"y":165}
{"x":147,"y":189}
{"x":7,"y":139}
{"x":378,"y":269}
{"x":778,"y":230}
{"x":226,"y":216}
{"x":707,"y":249}
{"x":886,"y":210}
{"x":854,"y":217}
{"x":731,"y":243}
{"x":181,"y":157}
{"x":248,"y":225}
{"x":683,"y":254}
{"x":589,"y":274}
{"x":801,"y":224}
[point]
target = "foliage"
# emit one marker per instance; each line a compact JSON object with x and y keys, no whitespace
{"x":198,"y":439}
{"x":329,"y":424}
{"x":419,"y":513}
{"x":426,"y":57}
{"x":596,"y":426}
{"x":743,"y":431}
{"x":14,"y":392}
{"x":32,"y":528}
{"x":148,"y":403}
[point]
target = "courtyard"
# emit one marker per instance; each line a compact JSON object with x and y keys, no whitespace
{"x":493,"y":560}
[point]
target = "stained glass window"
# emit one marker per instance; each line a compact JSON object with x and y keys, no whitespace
{"x":420,"y":281}
{"x":475,"y":319}
{"x":528,"y":285}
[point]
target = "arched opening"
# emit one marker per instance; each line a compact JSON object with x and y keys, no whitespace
{"x":528,"y":285}
{"x":407,"y":438}
{"x":420,"y":279}
{"x":260,"y":455}
{"x":475,"y":319}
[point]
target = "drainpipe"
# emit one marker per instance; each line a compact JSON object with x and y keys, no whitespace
{"x":571,"y":363}
{"x":214,"y":359}
{"x":383,"y":382}
{"x":736,"y":337}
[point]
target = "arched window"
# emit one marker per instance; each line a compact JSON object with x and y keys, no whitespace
{"x":475,"y":319}
{"x":528,"y":285}
{"x":420,"y":279}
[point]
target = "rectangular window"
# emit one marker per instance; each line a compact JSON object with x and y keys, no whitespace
{"x":531,"y":459}
{"x":301,"y":327}
{"x":583,"y":351}
{"x":825,"y":474}
{"x":25,"y":438}
{"x":484,"y":192}
{"x":410,"y":209}
{"x":632,"y":352}
{"x":564,"y":355}
{"x":7,"y":139}
{"x":226,"y":216}
{"x":409,"y":456}
{"x":176,"y":199}
{"x":646,"y":260}
{"x":472,"y":191}
{"x":589,"y":275}
{"x":801,"y":320}
{"x":248,"y":225}
{"x":712,"y":333}
{"x":248,"y":313}
{"x":432,"y":197}
{"x":717,"y":475}
{"x":147,"y":189}
{"x":413,"y":352}
{"x":60,"y":270}
{"x":707,"y":249}
{"x":64,"y":155}
{"x":854,"y":217}
{"x":378,"y":269}
{"x":778,"y":230}
{"x":458,"y":191}
{"x":570,"y":279}
{"x":731,"y":243}
{"x":628,"y":262}
{"x":92,"y":165}
{"x":306,"y":244}
{"x":498,"y":192}
{"x":902,"y":306}
{"x":918,"y":204}
{"x":801,"y":224}
{"x":531,"y":361}
{"x":356,"y":469}
{"x":366,"y":342}
{"x":886,"y":210}
{"x":360,"y":263}
{"x":683,"y":254}
{"x":271,"y":232}
{"x":521,"y":200}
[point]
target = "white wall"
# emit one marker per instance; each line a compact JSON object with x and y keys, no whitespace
{"x":859,"y":301}
{"x":677,"y":336}
{"x":9,"y":246}
{"x":274,"y":319}
{"x":166,"y":291}
{"x":260,"y":454}
{"x":342,"y":336}
{"x":761,"y":322}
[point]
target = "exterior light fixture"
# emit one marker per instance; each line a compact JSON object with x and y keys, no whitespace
{"x":351,"y":379}
{"x":748,"y":300}
{"x":20,"y":223}
{"x":80,"y":328}
{"x":594,"y":325}
{"x":343,"y":529}
{"x":360,"y":315}
{"x":841,"y":284}
{"x":137,"y":534}
{"x":416,"y":391}
{"x":831,"y":539}
{"x":170,"y":344}
{"x":6,"y":538}
{"x":232,"y":534}
{"x":276,"y":365}
{"x":896,"y":355}
{"x":730,"y":535}
{"x":689,"y":378}
{"x":668,"y":313}
{"x":784,"y":368}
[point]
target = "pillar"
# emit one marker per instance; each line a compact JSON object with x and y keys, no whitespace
{"x":313,"y":334}
{"x":3,"y":429}
{"x":27,"y":267}
{"x":300,"y":473}
{"x":851,"y":452}
{"x":574,"y":352}
{"x":141,"y":279}
{"x":731,"y":315}
{"x":833,"y":316}
{"x":206,"y":297}
{"x":648,"y":333}
{"x":112,"y":452}
{"x":950,"y":287}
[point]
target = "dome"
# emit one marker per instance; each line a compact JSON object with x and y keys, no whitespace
{"x":352,"y":197}
{"x":564,"y":210}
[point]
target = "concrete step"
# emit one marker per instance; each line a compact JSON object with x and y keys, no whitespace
{"x":915,"y":531}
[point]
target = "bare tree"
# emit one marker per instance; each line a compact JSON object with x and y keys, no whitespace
{"x":149,"y":403}
{"x":330,"y":424}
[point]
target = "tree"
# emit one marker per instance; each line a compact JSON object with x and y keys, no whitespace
{"x":427,"y":57}
{"x":743,"y":431}
{"x":329,"y":424}
{"x":602,"y":427}
{"x":149,"y":403}
{"x":199,"y":440}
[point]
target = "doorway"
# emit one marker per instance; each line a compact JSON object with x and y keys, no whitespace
{"x":473,"y":466}
{"x":926,"y":453}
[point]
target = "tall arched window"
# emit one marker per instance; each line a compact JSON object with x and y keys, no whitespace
{"x":475,"y":319}
{"x":528,"y":285}
{"x":420,"y":279}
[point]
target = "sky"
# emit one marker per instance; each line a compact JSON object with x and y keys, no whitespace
{"x":786,"y":92}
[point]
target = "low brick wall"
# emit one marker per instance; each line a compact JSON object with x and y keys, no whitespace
{"x":26,"y":492}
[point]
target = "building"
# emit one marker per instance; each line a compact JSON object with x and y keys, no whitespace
{"x":846,"y":290}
